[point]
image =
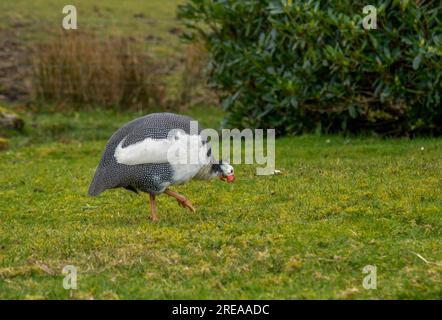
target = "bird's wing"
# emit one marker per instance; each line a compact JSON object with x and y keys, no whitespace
{"x":175,"y":147}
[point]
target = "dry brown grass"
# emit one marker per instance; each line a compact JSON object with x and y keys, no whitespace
{"x":194,"y":81}
{"x":82,"y":69}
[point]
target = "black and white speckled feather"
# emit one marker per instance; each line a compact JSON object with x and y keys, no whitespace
{"x":139,"y":166}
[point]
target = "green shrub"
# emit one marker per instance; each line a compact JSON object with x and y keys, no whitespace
{"x":302,"y":66}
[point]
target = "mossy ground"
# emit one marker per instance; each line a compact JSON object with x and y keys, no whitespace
{"x":340,"y":204}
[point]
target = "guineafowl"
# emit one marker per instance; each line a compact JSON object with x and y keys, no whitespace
{"x":151,"y":153}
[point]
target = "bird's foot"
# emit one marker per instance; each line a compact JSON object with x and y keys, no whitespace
{"x":154,"y":218}
{"x":182,"y":201}
{"x":186,"y":204}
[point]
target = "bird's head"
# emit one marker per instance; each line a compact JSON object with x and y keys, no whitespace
{"x":225,"y":171}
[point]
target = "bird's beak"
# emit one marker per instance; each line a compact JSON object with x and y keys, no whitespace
{"x":229,"y":179}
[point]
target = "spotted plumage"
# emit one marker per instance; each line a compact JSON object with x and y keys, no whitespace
{"x":141,"y":156}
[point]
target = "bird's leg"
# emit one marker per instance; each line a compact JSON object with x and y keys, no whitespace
{"x":153,"y":207}
{"x":182,"y":200}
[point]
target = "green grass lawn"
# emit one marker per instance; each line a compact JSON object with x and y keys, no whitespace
{"x":340,"y":204}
